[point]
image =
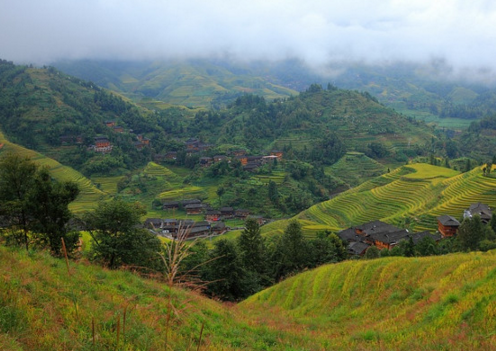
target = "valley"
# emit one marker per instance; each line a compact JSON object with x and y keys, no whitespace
{"x":271,"y":177}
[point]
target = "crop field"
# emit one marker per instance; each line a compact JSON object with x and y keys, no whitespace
{"x":187,"y":192}
{"x":420,"y":192}
{"x":276,"y":176}
{"x":89,"y":194}
{"x":107,"y":184}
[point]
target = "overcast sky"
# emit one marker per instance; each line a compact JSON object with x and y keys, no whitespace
{"x":318,"y":31}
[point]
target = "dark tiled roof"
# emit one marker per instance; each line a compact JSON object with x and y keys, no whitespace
{"x":390,"y":237}
{"x":349,"y":235}
{"x":448,"y":221}
{"x":357,"y":248}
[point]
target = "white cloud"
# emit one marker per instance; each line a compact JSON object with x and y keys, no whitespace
{"x":463,"y":32}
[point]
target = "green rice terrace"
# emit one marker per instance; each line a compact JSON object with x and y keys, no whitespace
{"x":396,"y":303}
{"x":411,"y":196}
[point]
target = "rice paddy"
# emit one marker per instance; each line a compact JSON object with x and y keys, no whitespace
{"x":416,"y":193}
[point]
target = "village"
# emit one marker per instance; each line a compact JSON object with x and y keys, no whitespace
{"x":212,"y":225}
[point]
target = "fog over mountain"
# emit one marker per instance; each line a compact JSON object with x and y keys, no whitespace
{"x":460,"y":34}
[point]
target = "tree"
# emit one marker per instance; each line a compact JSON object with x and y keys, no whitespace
{"x":427,"y":246}
{"x":252,"y":247}
{"x":291,"y":252}
{"x":273,"y":193}
{"x":48,"y":204}
{"x":16,"y":181}
{"x":117,"y":239}
{"x":225,"y":272}
{"x":471,"y":232}
{"x":34,"y":206}
{"x":372,"y":252}
{"x":220,"y":191}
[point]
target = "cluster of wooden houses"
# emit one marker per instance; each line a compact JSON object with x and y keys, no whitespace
{"x":379,"y":234}
{"x":249,"y":163}
{"x":448,"y":225}
{"x":195,"y":207}
{"x":184,"y":228}
{"x":386,"y":236}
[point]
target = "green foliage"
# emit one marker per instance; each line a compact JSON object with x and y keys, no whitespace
{"x":35,"y":207}
{"x":372,"y":252}
{"x":471,"y":233}
{"x":225,"y":273}
{"x":117,"y":239}
{"x":48,"y":204}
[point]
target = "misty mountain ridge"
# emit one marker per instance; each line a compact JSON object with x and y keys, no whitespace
{"x":419,"y":90}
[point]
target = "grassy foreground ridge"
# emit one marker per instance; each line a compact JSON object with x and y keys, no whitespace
{"x":430,"y":303}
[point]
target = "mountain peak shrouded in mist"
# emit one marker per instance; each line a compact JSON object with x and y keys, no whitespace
{"x":459,"y":33}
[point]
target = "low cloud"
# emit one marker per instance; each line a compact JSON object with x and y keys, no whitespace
{"x":320,"y":32}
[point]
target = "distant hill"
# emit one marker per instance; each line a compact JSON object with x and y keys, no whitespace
{"x":396,"y":303}
{"x":318,"y":124}
{"x":60,"y":116}
{"x":194,"y":83}
{"x":427,"y":91}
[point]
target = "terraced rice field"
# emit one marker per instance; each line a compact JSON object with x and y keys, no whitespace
{"x":420,"y":192}
{"x":188,"y":192}
{"x":89,"y":194}
{"x":276,"y":176}
{"x":157,"y":170}
{"x":107,"y":184}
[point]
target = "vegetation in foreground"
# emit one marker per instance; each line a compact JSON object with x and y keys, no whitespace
{"x":431,"y":303}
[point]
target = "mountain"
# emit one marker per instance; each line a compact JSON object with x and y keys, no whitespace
{"x":61,"y":117}
{"x":193,"y":83}
{"x":430,"y":91}
{"x":391,"y":303}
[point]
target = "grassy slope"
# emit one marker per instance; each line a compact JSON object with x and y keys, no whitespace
{"x":89,"y":194}
{"x":431,"y":303}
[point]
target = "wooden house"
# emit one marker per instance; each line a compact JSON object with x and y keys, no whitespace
{"x":118,"y":129}
{"x":219,"y":228}
{"x":243,"y":159}
{"x":447,"y":225}
{"x":479,"y":209}
{"x":237,"y":153}
{"x":212,"y":215}
{"x":102,"y":145}
{"x":206,"y":161}
{"x":357,"y":248}
{"x":227,"y":212}
{"x":153,"y":223}
{"x":110,"y":124}
{"x":171,"y":155}
{"x":170,"y":205}
{"x":241,"y":213}
{"x":194,"y":208}
{"x":220,"y":158}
